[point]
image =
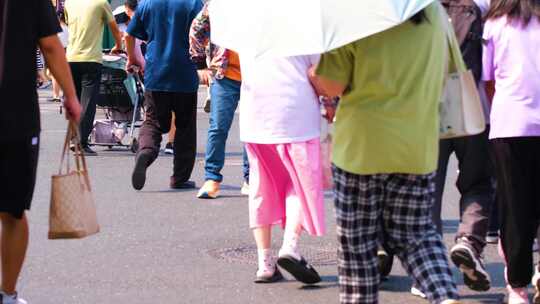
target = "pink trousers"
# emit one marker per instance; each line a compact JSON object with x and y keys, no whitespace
{"x":281,"y":173}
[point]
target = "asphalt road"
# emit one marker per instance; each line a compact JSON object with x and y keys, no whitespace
{"x":163,"y":246}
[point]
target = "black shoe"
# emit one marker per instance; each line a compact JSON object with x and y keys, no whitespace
{"x":88,"y":152}
{"x":181,"y":185}
{"x":138,"y":178}
{"x":275,"y":277}
{"x":469,"y":262}
{"x":386,"y":261}
{"x":299,"y":269}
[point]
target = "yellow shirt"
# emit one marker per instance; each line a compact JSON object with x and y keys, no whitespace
{"x":388,"y":119}
{"x":86,"y":20}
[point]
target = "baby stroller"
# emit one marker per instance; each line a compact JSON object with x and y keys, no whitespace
{"x":121,"y":96}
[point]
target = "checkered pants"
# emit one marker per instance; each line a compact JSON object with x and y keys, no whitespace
{"x":400,"y":205}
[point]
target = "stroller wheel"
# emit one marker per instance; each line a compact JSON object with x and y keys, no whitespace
{"x":134,"y":147}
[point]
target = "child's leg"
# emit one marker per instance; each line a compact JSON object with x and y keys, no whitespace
{"x":263,"y":238}
{"x":293,"y":228}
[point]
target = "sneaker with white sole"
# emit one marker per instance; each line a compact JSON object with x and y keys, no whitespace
{"x":450,"y":302}
{"x":415,"y":291}
{"x":245,"y":189}
{"x":517,"y":295}
{"x":536,"y":284}
{"x":470,"y":263}
{"x":210,"y":190}
{"x":385,"y":263}
{"x":492,"y":237}
{"x":11,"y":299}
{"x":169,"y":149}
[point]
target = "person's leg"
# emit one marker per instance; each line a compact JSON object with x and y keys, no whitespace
{"x":358,"y":200}
{"x":156,"y":123}
{"x":408,"y":202}
{"x":185,"y":142}
{"x":446,"y":148}
{"x":18,"y":166}
{"x":14,"y":245}
{"x":245,"y":165}
{"x":56,"y":89}
{"x":225,"y":97}
{"x":76,"y":74}
{"x":475,"y":185}
{"x":266,"y":205}
{"x":516,"y":186}
{"x":170,"y":136}
{"x":90,"y":81}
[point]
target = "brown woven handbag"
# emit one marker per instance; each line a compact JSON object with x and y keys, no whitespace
{"x":72,"y":211}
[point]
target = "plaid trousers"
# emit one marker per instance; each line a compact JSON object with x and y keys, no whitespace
{"x":400,"y":205}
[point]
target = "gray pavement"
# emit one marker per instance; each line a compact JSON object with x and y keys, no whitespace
{"x":163,"y":246}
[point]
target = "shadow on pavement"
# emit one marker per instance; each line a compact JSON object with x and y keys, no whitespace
{"x":396,"y":283}
{"x":326,"y":282}
{"x":485,"y":298}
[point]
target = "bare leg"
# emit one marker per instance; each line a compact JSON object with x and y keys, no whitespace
{"x":263,"y":237}
{"x":293,"y":227}
{"x":56,"y":89}
{"x":172,"y":131}
{"x":14,"y":245}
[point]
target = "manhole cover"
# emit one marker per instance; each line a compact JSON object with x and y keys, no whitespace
{"x":317,"y":256}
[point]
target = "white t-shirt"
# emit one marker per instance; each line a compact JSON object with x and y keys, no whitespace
{"x":64,"y":36}
{"x":483,"y":5}
{"x":277,"y":103}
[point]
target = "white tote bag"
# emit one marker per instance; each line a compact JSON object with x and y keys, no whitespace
{"x":461,"y":111}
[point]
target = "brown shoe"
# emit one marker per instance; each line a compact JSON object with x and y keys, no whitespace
{"x":210,"y":190}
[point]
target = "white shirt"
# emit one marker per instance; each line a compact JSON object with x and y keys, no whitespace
{"x":483,"y":5}
{"x":277,"y":103}
{"x":64,"y":35}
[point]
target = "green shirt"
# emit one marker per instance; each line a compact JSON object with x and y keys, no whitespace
{"x":86,"y":19}
{"x":388,"y":118}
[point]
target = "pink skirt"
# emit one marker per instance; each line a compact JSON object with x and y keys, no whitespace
{"x":280,"y":172}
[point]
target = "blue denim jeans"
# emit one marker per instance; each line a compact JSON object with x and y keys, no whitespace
{"x":225,"y":94}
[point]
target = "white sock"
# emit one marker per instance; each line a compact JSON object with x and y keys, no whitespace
{"x":266,"y":261}
{"x":290,"y":244}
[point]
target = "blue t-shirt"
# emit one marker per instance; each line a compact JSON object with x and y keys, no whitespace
{"x":164,"y":25}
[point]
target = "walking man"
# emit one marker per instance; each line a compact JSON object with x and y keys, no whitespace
{"x":225,"y":91}
{"x":36,"y":21}
{"x":171,"y":82}
{"x":85,"y":20}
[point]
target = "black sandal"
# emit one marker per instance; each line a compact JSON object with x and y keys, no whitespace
{"x":299,"y":269}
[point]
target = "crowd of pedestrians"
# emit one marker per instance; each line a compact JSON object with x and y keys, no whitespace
{"x":382,"y":94}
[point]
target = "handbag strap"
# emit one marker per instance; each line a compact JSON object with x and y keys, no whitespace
{"x":456,"y":58}
{"x":72,"y":135}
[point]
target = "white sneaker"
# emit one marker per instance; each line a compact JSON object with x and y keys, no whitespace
{"x":470,"y":263}
{"x":11,"y":299}
{"x":415,"y":291}
{"x":517,"y":295}
{"x":536,"y":284}
{"x":450,"y":302}
{"x":245,"y":189}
